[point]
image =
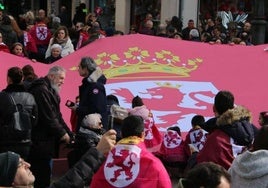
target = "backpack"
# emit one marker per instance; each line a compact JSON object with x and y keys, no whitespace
{"x":17,"y":125}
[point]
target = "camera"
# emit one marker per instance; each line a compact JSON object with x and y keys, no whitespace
{"x":69,"y":103}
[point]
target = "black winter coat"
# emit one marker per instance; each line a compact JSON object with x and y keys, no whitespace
{"x":20,"y":96}
{"x":51,"y":126}
{"x":82,"y":172}
{"x":92,"y":95}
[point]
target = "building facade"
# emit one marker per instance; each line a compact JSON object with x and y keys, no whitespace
{"x":122,"y":14}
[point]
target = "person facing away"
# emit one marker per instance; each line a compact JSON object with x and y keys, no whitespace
{"x":152,"y":136}
{"x":15,"y":172}
{"x":92,"y":92}
{"x":88,"y":136}
{"x":250,"y":168}
{"x":114,"y":123}
{"x":233,"y":133}
{"x":51,"y":128}
{"x":207,"y":174}
{"x":172,"y":151}
{"x":14,"y":141}
{"x":129,"y":163}
{"x":41,"y":36}
{"x":172,"y":147}
{"x":55,"y":54}
{"x":28,"y":75}
{"x":196,"y":137}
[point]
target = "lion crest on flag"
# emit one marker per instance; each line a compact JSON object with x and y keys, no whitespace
{"x":41,"y":32}
{"x":122,"y":165}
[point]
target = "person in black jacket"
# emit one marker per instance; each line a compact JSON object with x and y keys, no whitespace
{"x":81,"y":173}
{"x":88,"y":136}
{"x":16,"y":89}
{"x":92,"y":92}
{"x":51,"y":128}
{"x":15,"y":171}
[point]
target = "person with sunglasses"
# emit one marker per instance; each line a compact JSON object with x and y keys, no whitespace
{"x":88,"y":136}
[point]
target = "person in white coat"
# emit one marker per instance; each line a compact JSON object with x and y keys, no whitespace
{"x":61,"y":37}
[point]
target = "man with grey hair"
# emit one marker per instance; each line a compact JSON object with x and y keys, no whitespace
{"x":50,"y":128}
{"x":92,"y":92}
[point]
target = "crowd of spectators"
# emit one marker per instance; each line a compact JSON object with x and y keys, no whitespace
{"x":36,"y":34}
{"x":218,"y":146}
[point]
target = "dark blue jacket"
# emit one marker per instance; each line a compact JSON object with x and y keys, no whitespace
{"x":92,"y":96}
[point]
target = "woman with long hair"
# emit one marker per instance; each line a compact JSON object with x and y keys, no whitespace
{"x":61,"y":37}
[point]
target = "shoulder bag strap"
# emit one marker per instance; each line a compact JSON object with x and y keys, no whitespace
{"x":12,"y":100}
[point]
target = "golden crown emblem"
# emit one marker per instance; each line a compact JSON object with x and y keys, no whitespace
{"x":136,"y":60}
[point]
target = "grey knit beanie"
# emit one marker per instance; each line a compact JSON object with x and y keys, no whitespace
{"x":9,"y":162}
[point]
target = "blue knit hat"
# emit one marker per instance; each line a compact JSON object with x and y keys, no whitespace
{"x":9,"y":162}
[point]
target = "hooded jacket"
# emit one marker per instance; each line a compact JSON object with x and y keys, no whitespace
{"x":233,"y":135}
{"x":250,"y":170}
{"x":152,"y":135}
{"x":92,"y":96}
{"x":129,"y":164}
{"x":142,"y":111}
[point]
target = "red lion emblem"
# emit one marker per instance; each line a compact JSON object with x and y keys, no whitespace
{"x":124,"y":161}
{"x":172,"y":138}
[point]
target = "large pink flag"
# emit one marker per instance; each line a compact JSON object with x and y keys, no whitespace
{"x":176,"y":79}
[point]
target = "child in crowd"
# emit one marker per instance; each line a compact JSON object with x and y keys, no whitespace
{"x":88,"y":136}
{"x":55,"y":54}
{"x":172,"y":147}
{"x":172,"y":152}
{"x":196,"y":137}
{"x":18,"y":50}
{"x":152,"y":136}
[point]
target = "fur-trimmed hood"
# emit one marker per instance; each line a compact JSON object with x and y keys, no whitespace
{"x":233,"y":115}
{"x":236,"y":123}
{"x":97,"y":76}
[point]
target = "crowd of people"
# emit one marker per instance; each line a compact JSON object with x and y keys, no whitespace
{"x":210,"y":31}
{"x":225,"y":145}
{"x":46,"y":39}
{"x":224,"y":151}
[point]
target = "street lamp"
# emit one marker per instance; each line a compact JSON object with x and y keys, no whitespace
{"x":258,"y":22}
